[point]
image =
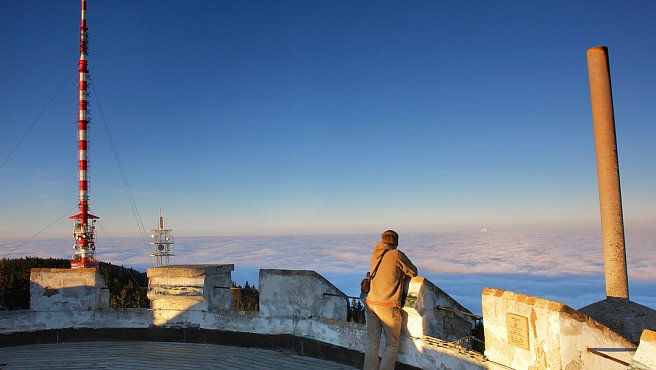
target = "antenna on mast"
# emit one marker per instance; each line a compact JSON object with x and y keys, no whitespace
{"x":84,"y":229}
{"x":161,"y":240}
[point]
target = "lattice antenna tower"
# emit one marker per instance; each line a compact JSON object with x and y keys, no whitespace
{"x":161,"y":240}
{"x":84,"y":232}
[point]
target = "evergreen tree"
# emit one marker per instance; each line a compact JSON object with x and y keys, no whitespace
{"x":355,"y":312}
{"x":246,"y":298}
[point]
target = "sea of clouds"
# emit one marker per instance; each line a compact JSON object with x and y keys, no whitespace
{"x":565,"y":266}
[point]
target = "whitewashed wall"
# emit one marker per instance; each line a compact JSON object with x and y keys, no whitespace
{"x":645,"y":357}
{"x":67,"y":289}
{"x":291,"y":302}
{"x":556,"y":336}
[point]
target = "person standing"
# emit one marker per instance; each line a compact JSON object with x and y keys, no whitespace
{"x":383,"y":303}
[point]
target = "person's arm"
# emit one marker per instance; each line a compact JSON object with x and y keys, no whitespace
{"x":406,"y":265}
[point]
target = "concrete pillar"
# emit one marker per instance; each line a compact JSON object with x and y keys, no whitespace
{"x":180,"y":295}
{"x":54,"y":289}
{"x":610,"y":200}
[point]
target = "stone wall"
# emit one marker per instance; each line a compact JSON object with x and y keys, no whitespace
{"x":645,"y":357}
{"x":292,"y":302}
{"x":525,"y":332}
{"x":428,"y":333}
{"x":53,"y":289}
{"x":521,"y":332}
{"x":300,"y":293}
{"x":180,"y":294}
{"x":28,"y":320}
{"x":424,"y":318}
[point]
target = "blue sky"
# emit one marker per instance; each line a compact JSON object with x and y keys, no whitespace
{"x":320,"y":117}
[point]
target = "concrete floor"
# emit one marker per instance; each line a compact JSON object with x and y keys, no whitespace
{"x":153,"y":355}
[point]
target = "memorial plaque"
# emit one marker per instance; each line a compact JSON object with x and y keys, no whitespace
{"x":517,"y":330}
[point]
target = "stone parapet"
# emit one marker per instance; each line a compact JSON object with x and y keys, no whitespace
{"x":525,"y":332}
{"x":179,"y":294}
{"x":190,"y":271}
{"x":645,"y":357}
{"x":53,"y":289}
{"x":28,"y":320}
{"x":422,"y":304}
{"x":341,"y":334}
{"x":297,"y":304}
{"x":300,"y":293}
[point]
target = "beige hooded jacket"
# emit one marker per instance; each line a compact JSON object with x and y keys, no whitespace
{"x":387,"y":285}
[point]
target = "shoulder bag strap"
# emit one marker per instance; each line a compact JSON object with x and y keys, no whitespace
{"x":373,"y":274}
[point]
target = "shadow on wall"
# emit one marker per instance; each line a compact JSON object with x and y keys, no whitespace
{"x":53,"y":289}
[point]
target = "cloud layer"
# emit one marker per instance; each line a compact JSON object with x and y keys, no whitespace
{"x":563,"y":266}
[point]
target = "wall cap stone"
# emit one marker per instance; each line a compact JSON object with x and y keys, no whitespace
{"x":62,"y":270}
{"x":189,"y":270}
{"x":528,"y":300}
{"x":309,"y":273}
{"x":648,"y":336}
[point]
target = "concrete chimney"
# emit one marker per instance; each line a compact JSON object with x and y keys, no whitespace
{"x":610,"y":199}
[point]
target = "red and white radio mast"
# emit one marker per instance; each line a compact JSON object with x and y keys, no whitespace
{"x":84,"y":232}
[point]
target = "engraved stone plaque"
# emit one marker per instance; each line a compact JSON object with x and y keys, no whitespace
{"x":517,"y":330}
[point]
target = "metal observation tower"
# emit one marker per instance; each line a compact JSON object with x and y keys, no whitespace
{"x":161,"y":240}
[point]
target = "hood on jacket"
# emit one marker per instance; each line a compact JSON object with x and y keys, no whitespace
{"x":382,"y":247}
